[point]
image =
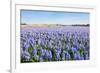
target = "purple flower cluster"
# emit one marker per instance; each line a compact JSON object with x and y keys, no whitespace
{"x":54,"y":45}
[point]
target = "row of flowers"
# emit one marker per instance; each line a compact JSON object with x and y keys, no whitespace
{"x":44,"y":46}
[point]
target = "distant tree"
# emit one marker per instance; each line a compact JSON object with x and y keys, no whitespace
{"x":23,"y":24}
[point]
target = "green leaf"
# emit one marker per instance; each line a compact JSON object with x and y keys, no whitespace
{"x":37,"y":46}
{"x":53,"y":54}
{"x":80,"y":51}
{"x":30,"y":50}
{"x":71,"y":54}
{"x":32,"y":60}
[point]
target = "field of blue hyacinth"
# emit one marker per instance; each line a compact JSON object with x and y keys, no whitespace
{"x":69,"y":43}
